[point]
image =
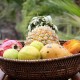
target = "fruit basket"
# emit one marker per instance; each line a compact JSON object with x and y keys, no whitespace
{"x":42,"y":68}
{"x":50,"y":67}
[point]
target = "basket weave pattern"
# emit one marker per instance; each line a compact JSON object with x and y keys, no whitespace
{"x":42,"y":68}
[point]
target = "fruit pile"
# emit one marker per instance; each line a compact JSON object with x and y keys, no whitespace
{"x":36,"y":50}
{"x":41,"y":43}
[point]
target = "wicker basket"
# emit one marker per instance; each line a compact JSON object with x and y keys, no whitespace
{"x":41,"y":69}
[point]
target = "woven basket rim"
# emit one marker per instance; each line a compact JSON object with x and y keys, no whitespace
{"x":40,"y":60}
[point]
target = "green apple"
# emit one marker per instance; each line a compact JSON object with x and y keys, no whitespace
{"x":37,"y":45}
{"x":29,"y":53}
{"x":11,"y":53}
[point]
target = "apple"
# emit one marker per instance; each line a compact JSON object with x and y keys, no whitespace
{"x":11,"y":53}
{"x":37,"y":45}
{"x":28,"y":53}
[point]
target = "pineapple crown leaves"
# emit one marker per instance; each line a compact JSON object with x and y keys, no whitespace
{"x":42,"y":21}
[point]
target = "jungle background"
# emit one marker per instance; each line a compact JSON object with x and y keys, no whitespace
{"x":15,"y":16}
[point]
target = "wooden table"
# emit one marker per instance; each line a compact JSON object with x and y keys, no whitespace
{"x":5,"y":77}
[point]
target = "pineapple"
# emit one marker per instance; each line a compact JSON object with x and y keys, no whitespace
{"x":43,"y":33}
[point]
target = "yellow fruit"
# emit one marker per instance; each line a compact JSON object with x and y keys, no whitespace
{"x":28,"y":53}
{"x":37,"y":45}
{"x":54,"y":50}
{"x":10,"y":53}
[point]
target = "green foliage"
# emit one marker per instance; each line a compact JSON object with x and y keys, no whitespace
{"x":9,"y":9}
{"x":55,"y":8}
{"x":67,"y":6}
{"x":65,"y":14}
{"x":68,"y":25}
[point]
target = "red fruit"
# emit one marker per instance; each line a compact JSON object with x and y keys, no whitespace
{"x":1,"y":51}
{"x":7,"y":44}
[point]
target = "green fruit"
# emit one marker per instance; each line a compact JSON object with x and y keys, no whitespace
{"x":37,"y":45}
{"x":11,"y":53}
{"x":28,"y":53}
